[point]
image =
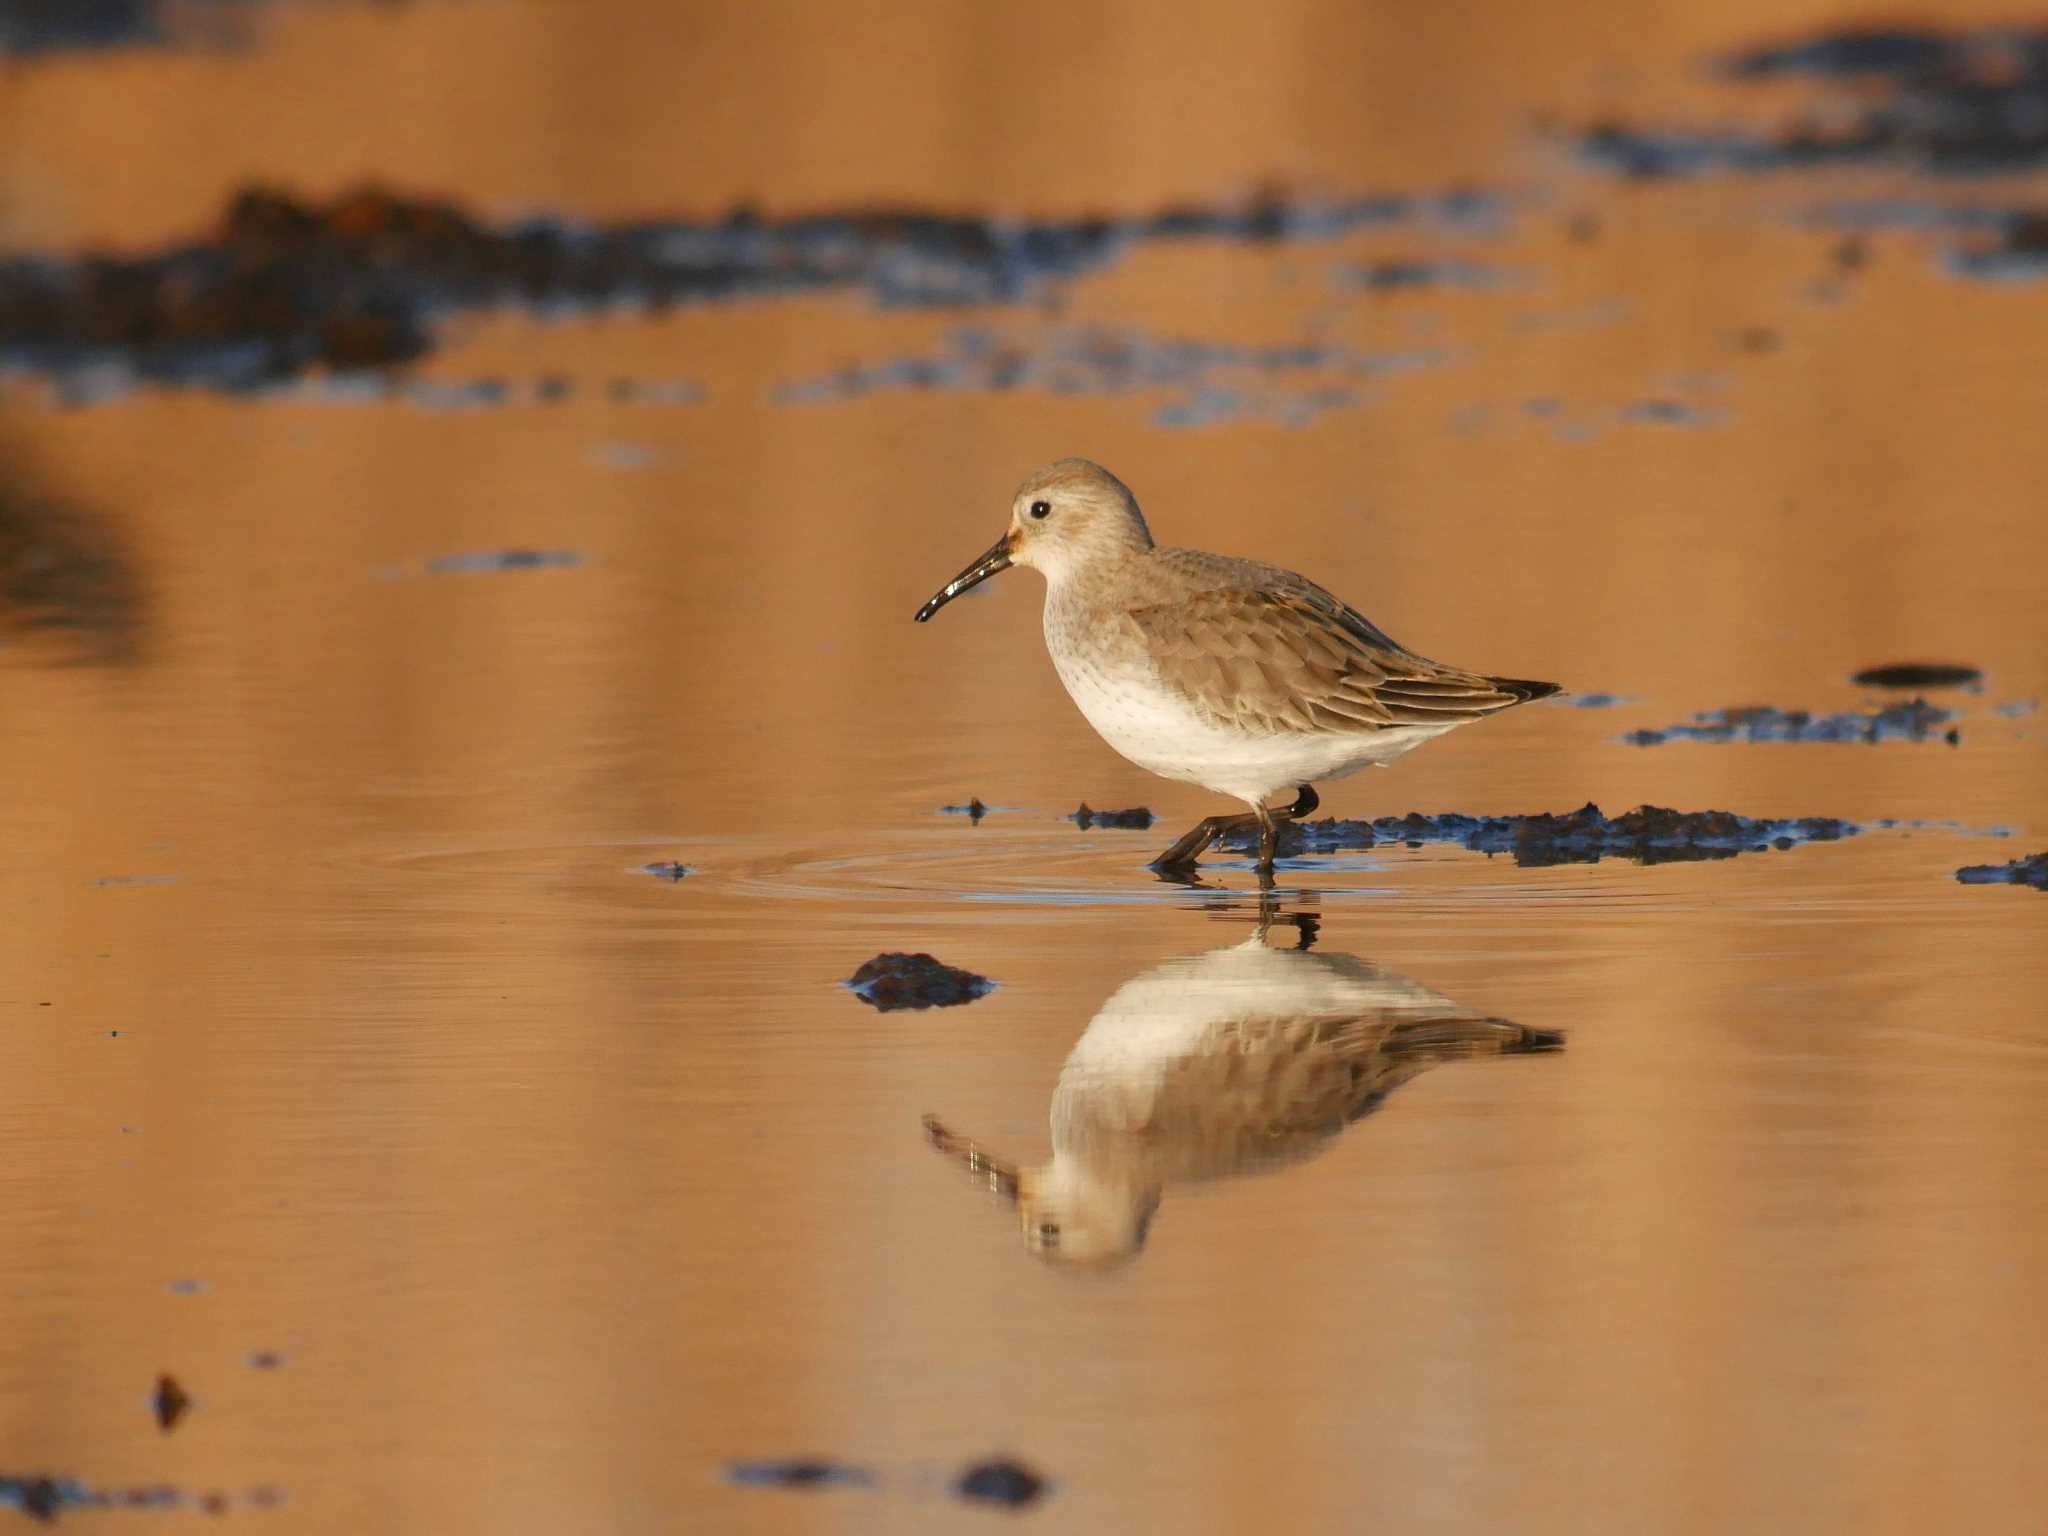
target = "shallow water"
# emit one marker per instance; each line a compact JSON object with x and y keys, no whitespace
{"x":438,"y":837}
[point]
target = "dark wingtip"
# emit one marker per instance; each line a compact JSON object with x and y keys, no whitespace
{"x":1524,"y":689}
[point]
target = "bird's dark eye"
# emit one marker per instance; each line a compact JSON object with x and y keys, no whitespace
{"x":1048,"y":1231}
{"x":1043,"y":509}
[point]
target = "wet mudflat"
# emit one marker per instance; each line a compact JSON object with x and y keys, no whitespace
{"x":538,"y":1000}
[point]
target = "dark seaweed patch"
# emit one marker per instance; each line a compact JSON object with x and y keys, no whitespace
{"x":1919,"y":674}
{"x":1000,"y":1482}
{"x":1947,"y":102}
{"x":798,"y":1472}
{"x":1138,"y":816}
{"x":283,"y":286}
{"x":896,"y":980}
{"x":2032,"y":870}
{"x":1914,"y":720}
{"x":1649,"y":834}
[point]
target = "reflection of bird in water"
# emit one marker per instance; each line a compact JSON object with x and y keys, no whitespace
{"x":1232,"y":1062}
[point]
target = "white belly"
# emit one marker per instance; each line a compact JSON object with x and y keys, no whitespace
{"x":1154,"y":728}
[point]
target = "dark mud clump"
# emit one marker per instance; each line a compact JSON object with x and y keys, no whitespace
{"x":169,"y":1402}
{"x":283,"y":286}
{"x":1137,"y":818}
{"x":1914,"y":720}
{"x":798,"y":1472}
{"x":896,"y":980}
{"x":1945,"y":102}
{"x":1649,"y":834}
{"x":1919,"y":674}
{"x":39,"y":1497}
{"x":1001,"y":1482}
{"x":2032,"y":870}
{"x":669,"y":870}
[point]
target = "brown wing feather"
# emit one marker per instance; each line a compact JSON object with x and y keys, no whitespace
{"x":1294,"y":658}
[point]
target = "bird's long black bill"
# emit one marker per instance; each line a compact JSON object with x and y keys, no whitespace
{"x":994,"y":560}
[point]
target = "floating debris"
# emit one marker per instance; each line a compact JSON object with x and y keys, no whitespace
{"x":1649,"y":834}
{"x":503,"y":560}
{"x":1001,"y":1482}
{"x":973,"y":810}
{"x":2032,"y":870}
{"x":798,"y":1473}
{"x":1919,"y":674}
{"x":1914,"y":720}
{"x":284,"y":286}
{"x":169,"y":1402}
{"x":1138,"y":818}
{"x":897,"y":980}
{"x":1943,"y":102}
{"x":670,"y":870}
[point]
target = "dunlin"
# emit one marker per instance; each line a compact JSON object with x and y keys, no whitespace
{"x":1211,"y":1066}
{"x":1240,"y":677}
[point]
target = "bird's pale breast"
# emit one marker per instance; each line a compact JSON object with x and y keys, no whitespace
{"x":1109,"y":674}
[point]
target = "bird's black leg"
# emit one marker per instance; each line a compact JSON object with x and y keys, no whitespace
{"x":1204,"y":832}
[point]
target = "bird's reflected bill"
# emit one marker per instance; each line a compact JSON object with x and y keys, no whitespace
{"x":995,"y":559}
{"x":1001,"y":1177}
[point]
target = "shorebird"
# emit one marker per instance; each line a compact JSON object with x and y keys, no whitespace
{"x":1237,"y":676}
{"x":1242,"y":1060}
